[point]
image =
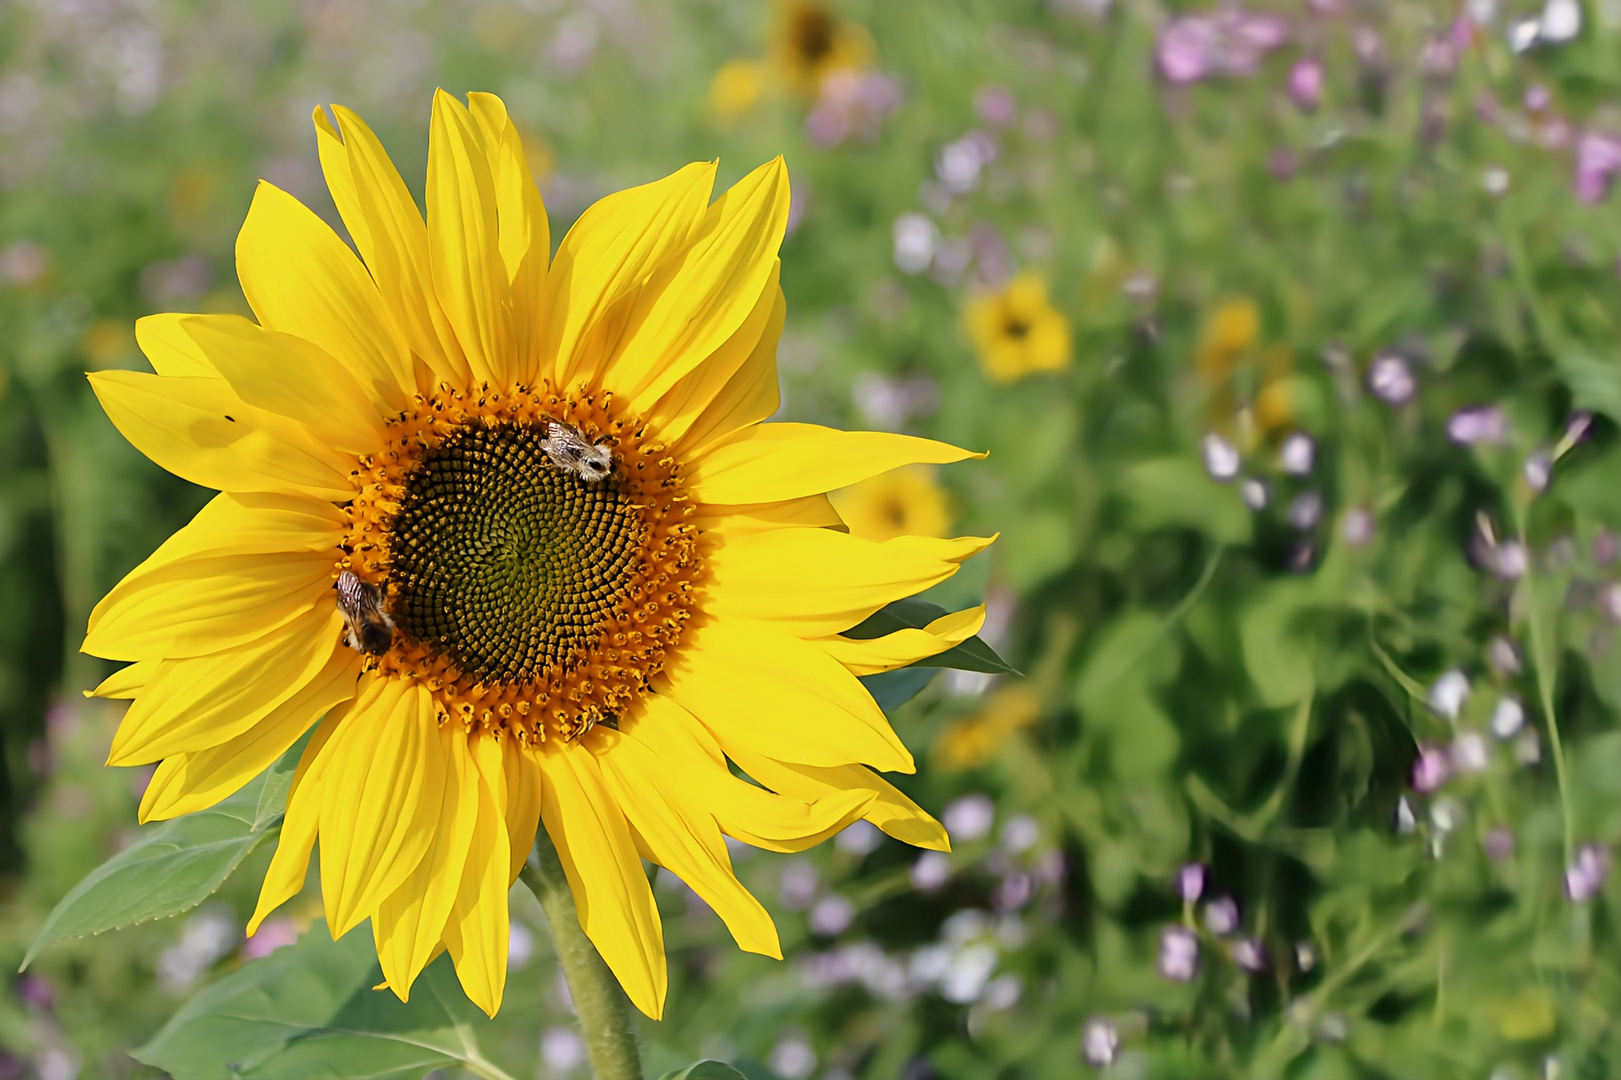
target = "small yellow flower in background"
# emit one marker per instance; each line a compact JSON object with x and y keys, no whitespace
{"x":972,"y":740}
{"x":1229,"y":332}
{"x":508,"y":532}
{"x":1275,"y":405}
{"x":1017,"y":332}
{"x":735,"y":89}
{"x":809,"y":43}
{"x":107,"y":342}
{"x":905,"y":502}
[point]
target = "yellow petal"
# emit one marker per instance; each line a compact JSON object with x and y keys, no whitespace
{"x":525,"y":234}
{"x":194,"y":703}
{"x":686,"y":401}
{"x":897,"y":650}
{"x":477,"y":932}
{"x":290,"y":377}
{"x":664,"y":807}
{"x":392,"y":238}
{"x":386,"y":764}
{"x":807,"y":512}
{"x":170,"y":349}
{"x":464,"y":248}
{"x":754,"y":685}
{"x":784,"y":461}
{"x":523,"y":780}
{"x":743,"y":810}
{"x":290,"y":864}
{"x":748,"y":397}
{"x":409,"y":926}
{"x":126,"y":682}
{"x":253,"y":523}
{"x":197,"y":606}
{"x":604,"y":260}
{"x":818,"y":582}
{"x":699,"y":297}
{"x":605,"y":875}
{"x":202,"y":431}
{"x":299,"y":278}
{"x":204,"y":777}
{"x":890,"y":810}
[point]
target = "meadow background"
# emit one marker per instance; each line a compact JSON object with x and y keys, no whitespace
{"x":1292,"y":332}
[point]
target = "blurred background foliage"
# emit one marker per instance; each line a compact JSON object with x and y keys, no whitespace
{"x":1291,"y":330}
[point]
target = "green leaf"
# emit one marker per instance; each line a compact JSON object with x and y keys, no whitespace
{"x":892,"y":689}
{"x":309,"y":1010}
{"x":173,"y":867}
{"x":1175,"y":492}
{"x":1594,"y":383}
{"x":278,"y":783}
{"x":705,"y":1070}
{"x":914,"y":614}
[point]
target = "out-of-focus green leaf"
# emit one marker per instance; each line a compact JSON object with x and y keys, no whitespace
{"x":914,"y":614}
{"x":705,"y":1070}
{"x":1594,"y":382}
{"x":309,"y":1010}
{"x":1175,"y":492}
{"x":173,"y":867}
{"x":1277,"y":648}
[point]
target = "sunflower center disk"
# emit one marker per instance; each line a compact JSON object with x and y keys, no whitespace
{"x":526,"y":599}
{"x":506,"y":563}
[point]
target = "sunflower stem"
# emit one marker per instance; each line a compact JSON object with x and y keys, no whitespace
{"x":607,"y":1019}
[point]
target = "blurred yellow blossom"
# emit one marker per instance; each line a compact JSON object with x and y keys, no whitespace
{"x":809,"y":43}
{"x":1275,"y":405}
{"x":902,"y":502}
{"x":735,"y":89}
{"x":1016,"y":331}
{"x":1229,"y":332}
{"x":108,"y":342}
{"x":972,"y":740}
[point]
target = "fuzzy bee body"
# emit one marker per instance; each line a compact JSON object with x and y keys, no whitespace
{"x":369,"y":630}
{"x":567,"y":449}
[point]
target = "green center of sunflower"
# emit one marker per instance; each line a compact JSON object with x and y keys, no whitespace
{"x":505,"y":562}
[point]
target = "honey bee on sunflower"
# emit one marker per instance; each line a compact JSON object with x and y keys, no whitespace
{"x":509,"y":532}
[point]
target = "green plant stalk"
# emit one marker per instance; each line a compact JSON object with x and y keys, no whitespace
{"x":607,"y":1019}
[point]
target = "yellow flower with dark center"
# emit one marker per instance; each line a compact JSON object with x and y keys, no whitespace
{"x":905,"y":502}
{"x":1017,"y":332}
{"x":810,"y":42}
{"x":509,"y":532}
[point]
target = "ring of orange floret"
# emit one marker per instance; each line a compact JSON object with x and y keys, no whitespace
{"x":656,"y":597}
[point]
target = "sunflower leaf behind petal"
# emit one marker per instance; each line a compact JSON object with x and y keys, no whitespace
{"x":309,"y":1010}
{"x":892,"y":689}
{"x":278,"y":781}
{"x":914,"y":614}
{"x":171,"y":868}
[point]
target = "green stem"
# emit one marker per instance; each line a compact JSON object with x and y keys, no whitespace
{"x":607,"y":1019}
{"x":1544,"y":661}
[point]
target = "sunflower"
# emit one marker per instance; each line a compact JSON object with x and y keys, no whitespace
{"x":1017,"y":331}
{"x":508,"y":532}
{"x":809,"y":42}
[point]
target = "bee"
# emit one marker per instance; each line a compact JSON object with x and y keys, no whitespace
{"x":569,"y":451}
{"x":370,"y":630}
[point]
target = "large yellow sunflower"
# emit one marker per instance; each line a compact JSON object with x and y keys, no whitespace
{"x":513,"y":526}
